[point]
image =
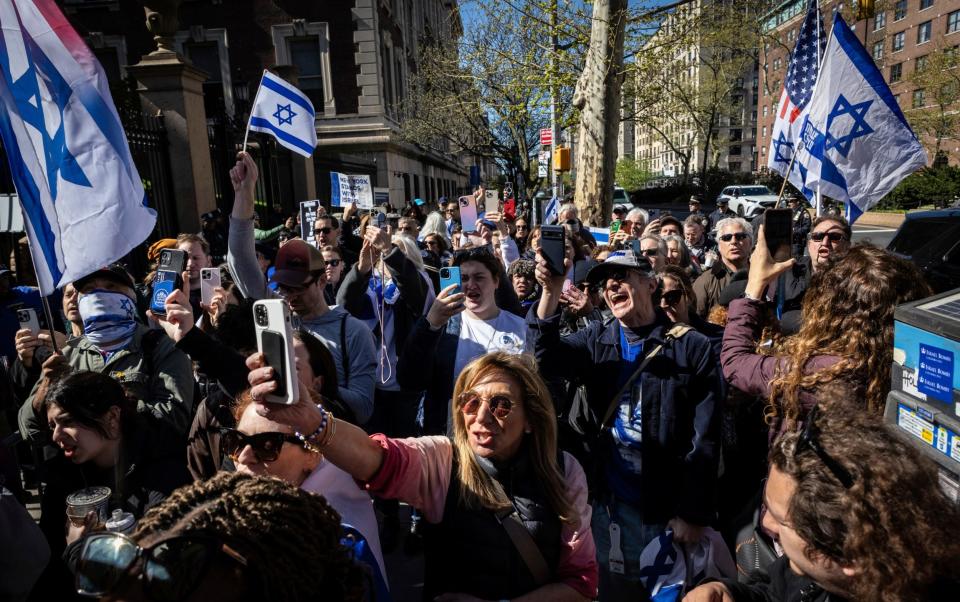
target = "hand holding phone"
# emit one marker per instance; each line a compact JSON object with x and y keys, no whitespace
{"x":274,"y":329}
{"x":451,"y":276}
{"x":27,"y":316}
{"x":209,"y":283}
{"x":168,"y":278}
{"x":450,"y":300}
{"x":778,"y":232}
{"x":553,"y":247}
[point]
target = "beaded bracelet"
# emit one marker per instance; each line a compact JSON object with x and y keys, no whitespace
{"x":309,"y":440}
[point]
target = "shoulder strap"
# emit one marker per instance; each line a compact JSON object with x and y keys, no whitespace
{"x":344,"y":356}
{"x":676,"y":331}
{"x":526,"y":546}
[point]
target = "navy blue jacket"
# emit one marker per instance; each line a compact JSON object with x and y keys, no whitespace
{"x":680,"y":389}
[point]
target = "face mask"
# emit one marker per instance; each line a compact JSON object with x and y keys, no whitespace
{"x":108,"y":319}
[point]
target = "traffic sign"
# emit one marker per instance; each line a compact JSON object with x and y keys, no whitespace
{"x":546,"y":137}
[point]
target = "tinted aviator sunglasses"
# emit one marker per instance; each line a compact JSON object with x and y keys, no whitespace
{"x":266,"y":446}
{"x":322,"y":230}
{"x":832,"y":236}
{"x":500,"y":405}
{"x":738,"y":235}
{"x":171,"y":570}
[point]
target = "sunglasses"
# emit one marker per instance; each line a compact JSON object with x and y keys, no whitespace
{"x":809,"y":440}
{"x":171,"y":570}
{"x":322,"y":230}
{"x":522,"y":227}
{"x":332,"y":263}
{"x":650,"y":252}
{"x":266,"y":446}
{"x":672,"y":297}
{"x":738,"y":235}
{"x":500,"y":405}
{"x":833,"y":236}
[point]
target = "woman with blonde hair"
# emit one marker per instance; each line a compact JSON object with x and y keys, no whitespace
{"x":498,"y":483}
{"x":845,"y":336}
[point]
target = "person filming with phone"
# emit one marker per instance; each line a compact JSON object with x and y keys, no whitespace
{"x":639,"y":371}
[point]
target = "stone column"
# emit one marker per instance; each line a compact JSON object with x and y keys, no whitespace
{"x":174,"y":89}
{"x":303,"y":174}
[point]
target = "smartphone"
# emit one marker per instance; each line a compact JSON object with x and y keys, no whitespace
{"x":450,"y":276}
{"x":169,"y":277}
{"x":271,"y":318}
{"x":27,"y":317}
{"x":778,"y":231}
{"x":552,"y":246}
{"x":468,"y":213}
{"x":615,"y":227}
{"x":510,"y":209}
{"x":209,"y":280}
{"x":491,"y":201}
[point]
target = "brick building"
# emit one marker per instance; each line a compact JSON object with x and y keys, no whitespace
{"x":353,"y":58}
{"x":901,"y":37}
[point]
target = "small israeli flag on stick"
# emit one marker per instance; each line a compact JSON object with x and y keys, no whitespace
{"x":284,"y":112}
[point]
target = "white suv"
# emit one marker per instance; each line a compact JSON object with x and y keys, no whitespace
{"x":748,"y":201}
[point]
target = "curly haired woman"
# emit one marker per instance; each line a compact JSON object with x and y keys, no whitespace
{"x":845,"y":336}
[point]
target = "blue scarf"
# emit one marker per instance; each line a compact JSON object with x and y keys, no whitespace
{"x":109,"y":319}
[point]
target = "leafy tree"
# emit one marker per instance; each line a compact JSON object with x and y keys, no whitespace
{"x":631,"y":174}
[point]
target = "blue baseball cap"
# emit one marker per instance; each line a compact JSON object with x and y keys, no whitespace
{"x":418,"y":202}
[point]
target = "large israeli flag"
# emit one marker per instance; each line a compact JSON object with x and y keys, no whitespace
{"x":81,"y":196}
{"x":855,"y":142}
{"x":286,"y":113}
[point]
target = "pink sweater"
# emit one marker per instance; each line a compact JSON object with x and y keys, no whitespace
{"x":417,"y":471}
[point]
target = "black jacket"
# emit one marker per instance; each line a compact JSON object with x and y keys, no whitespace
{"x":680,"y":389}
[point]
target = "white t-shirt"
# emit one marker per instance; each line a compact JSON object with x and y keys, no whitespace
{"x":507,"y":332}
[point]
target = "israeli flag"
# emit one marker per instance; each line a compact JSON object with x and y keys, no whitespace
{"x":286,"y":113}
{"x":855,"y":142}
{"x":551,"y":211}
{"x":82,"y":200}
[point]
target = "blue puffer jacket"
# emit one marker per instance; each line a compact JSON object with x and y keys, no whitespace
{"x":680,"y":389}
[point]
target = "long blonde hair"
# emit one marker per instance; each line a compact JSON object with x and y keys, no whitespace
{"x":477,"y":488}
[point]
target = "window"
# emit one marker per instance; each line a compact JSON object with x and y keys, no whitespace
{"x":921,"y":63}
{"x":764,"y":134}
{"x":953,"y":21}
{"x":898,"y":42}
{"x":305,"y":54}
{"x":878,"y":50}
{"x":791,"y":35}
{"x":896,"y":72}
{"x":899,"y":10}
{"x":923,"y":32}
{"x":879,"y":21}
{"x":918,"y":98}
{"x":925,"y":4}
{"x":777,"y":63}
{"x":735,"y":150}
{"x":206,"y":56}
{"x":766,"y":109}
{"x":307,"y":47}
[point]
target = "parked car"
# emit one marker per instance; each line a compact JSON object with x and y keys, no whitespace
{"x":931,"y":240}
{"x":748,"y":201}
{"x":620,"y":197}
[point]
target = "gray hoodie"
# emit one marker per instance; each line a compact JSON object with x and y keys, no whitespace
{"x":356,"y":388}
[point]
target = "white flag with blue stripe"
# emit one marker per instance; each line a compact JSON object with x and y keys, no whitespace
{"x":83,"y":202}
{"x":551,"y":211}
{"x":855,"y":142}
{"x":286,"y":113}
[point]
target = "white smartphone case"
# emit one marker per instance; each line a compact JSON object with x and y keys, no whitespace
{"x":273,"y":315}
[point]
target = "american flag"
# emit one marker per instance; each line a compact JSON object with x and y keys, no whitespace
{"x":797,"y":88}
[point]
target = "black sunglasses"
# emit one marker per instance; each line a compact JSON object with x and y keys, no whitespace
{"x":672,"y":297}
{"x":266,"y":446}
{"x":809,"y":440}
{"x":833,"y":236}
{"x":171,"y":570}
{"x":738,"y":235}
{"x":322,"y":230}
{"x":332,"y":262}
{"x":650,"y":252}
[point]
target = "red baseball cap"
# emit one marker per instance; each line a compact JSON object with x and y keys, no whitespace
{"x":296,"y":263}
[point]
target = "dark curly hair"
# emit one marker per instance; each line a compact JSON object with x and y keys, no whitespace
{"x":848,"y":313}
{"x":291,"y":537}
{"x":894,"y":524}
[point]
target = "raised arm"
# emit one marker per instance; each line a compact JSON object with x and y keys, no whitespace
{"x":241,"y":246}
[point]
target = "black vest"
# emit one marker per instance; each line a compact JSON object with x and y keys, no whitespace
{"x":469,"y":551}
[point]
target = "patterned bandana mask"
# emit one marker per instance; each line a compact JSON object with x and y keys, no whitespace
{"x":109,"y":319}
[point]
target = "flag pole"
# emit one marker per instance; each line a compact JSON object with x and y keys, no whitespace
{"x":43,"y":298}
{"x":246,"y":132}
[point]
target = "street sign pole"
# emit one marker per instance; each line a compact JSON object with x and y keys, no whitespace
{"x":553,"y":94}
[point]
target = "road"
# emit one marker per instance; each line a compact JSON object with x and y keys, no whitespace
{"x":876,"y":235}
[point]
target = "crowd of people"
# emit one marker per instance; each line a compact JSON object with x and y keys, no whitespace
{"x":673,"y":412}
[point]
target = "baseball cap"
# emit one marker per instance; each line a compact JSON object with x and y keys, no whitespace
{"x":296,"y":261}
{"x":722,"y":201}
{"x":694,"y":199}
{"x":625,"y":258}
{"x":582,"y":268}
{"x":619,"y":209}
{"x":114,"y":272}
{"x":418,"y":202}
{"x":669,"y":219}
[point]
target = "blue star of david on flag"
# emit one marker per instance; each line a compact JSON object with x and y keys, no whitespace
{"x":280,"y":117}
{"x":857,"y":113}
{"x":782,"y":143}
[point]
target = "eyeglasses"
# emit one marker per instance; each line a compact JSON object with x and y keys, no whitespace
{"x":833,"y":236}
{"x":266,"y":446}
{"x":522,"y":227}
{"x":809,"y":439}
{"x":500,"y":405}
{"x":672,"y":297}
{"x":738,"y":235}
{"x":322,"y":230}
{"x":650,"y":252}
{"x":332,"y":263}
{"x":171,"y":569}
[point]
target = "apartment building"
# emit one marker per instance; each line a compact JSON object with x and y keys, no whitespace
{"x":901,"y":37}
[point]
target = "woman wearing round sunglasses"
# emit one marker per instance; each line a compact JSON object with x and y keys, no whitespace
{"x":233,"y":537}
{"x":501,"y":465}
{"x":103,"y":442}
{"x":845,"y":335}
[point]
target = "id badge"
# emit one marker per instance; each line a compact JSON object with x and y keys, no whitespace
{"x":615,"y":558}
